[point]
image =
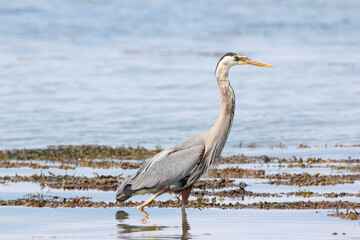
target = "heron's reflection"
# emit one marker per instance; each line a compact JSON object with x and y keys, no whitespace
{"x":146,"y":226}
{"x":121,"y":216}
{"x":185,"y":225}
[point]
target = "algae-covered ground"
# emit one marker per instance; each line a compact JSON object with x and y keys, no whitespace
{"x":85,"y":177}
{"x":234,"y":184}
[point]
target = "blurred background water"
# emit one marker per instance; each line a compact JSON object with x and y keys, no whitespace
{"x":142,"y":72}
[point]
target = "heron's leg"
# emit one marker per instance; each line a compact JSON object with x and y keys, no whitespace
{"x":141,"y":207}
{"x":185,"y":195}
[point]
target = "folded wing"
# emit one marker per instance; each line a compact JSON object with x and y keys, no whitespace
{"x":168,"y":167}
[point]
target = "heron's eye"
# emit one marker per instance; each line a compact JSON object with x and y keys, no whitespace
{"x":237,"y":58}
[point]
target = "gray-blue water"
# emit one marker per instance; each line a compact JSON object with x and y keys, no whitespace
{"x":111,"y":223}
{"x":142,"y":72}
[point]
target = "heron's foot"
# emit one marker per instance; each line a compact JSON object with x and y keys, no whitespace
{"x":141,"y":209}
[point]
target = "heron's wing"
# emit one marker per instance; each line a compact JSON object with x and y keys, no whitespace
{"x":167,"y":167}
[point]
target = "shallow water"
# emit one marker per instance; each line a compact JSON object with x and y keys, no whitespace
{"x":172,"y":224}
{"x":140,"y":73}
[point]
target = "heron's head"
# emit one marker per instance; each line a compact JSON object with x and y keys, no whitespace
{"x":233,"y":58}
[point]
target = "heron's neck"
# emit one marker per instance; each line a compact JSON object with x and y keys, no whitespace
{"x":219,"y":133}
{"x":227,"y":96}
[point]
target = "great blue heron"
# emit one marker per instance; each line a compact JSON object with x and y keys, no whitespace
{"x":179,"y":167}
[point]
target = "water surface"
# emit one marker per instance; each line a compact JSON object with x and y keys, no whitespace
{"x":172,"y":224}
{"x":141,"y":73}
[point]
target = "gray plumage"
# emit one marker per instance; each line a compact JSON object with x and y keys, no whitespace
{"x":179,"y":167}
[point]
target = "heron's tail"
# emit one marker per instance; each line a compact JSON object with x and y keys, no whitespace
{"x":124,"y":192}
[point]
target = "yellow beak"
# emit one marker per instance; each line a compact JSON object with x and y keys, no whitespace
{"x":255,"y":63}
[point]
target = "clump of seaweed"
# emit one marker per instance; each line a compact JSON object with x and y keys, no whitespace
{"x":109,"y":183}
{"x":241,"y":192}
{"x":349,"y":215}
{"x":355,"y":168}
{"x":40,"y":200}
{"x":306,"y":179}
{"x":215,"y":183}
{"x":68,"y":182}
{"x":343,"y":145}
{"x":76,"y":152}
{"x":303,"y":146}
{"x":72,"y":164}
{"x":237,"y":173}
{"x":99,"y":182}
{"x":9,"y":164}
{"x":71,"y":156}
{"x":280,"y":145}
{"x":241,"y":159}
